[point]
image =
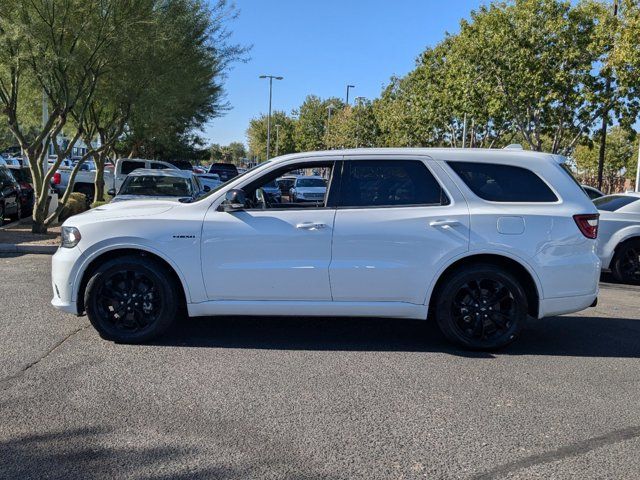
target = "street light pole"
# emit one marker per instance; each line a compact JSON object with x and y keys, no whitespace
{"x":277,"y":125}
{"x":348,"y":87}
{"x":271,"y":78}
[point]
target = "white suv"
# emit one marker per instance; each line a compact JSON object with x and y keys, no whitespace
{"x":477,"y":239}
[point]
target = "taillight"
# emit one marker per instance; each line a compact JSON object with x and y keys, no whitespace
{"x":57,"y":178}
{"x":588,"y":224}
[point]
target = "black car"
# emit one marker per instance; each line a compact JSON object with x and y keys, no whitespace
{"x":10,"y":205}
{"x":27,"y":197}
{"x":226,"y":171}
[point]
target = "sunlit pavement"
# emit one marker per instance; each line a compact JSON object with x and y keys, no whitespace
{"x":314,"y":398}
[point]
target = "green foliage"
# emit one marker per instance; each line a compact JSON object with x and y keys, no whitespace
{"x":235,"y":152}
{"x":257,"y":135}
{"x":621,"y":156}
{"x":146,"y":73}
{"x":311,"y":123}
{"x":353,"y":127}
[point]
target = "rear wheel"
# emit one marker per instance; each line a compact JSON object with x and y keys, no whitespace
{"x":131,"y":299}
{"x":482,"y":307}
{"x":626,"y":263}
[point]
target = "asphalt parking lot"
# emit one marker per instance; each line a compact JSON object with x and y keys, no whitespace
{"x":314,"y":398}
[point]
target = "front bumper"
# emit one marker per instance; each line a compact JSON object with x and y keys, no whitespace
{"x":63,"y":273}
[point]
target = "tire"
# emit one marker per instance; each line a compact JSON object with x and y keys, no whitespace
{"x":18,"y":215}
{"x":481,"y":307}
{"x":625,"y":265}
{"x":111,"y":294}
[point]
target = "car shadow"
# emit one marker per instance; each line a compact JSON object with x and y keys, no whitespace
{"x":564,"y":336}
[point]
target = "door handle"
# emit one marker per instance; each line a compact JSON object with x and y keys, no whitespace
{"x":310,"y":226}
{"x":444,"y":223}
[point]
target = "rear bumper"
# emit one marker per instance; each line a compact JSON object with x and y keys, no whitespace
{"x":560,"y":306}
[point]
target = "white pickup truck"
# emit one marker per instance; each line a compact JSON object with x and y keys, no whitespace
{"x":113,"y":177}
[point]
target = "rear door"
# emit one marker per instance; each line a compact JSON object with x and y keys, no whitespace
{"x":399,"y":220}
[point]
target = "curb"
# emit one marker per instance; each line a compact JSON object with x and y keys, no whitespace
{"x":41,"y":249}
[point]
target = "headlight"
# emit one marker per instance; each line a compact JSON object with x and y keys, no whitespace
{"x":70,"y":237}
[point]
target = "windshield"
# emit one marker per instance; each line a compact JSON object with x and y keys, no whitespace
{"x":310,"y":182}
{"x":156,"y":186}
{"x":611,"y":203}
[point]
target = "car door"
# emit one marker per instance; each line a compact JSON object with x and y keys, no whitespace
{"x":399,"y":220}
{"x":278,"y":253}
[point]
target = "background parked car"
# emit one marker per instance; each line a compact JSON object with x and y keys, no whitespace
{"x":592,"y":192}
{"x":169,"y":184}
{"x":619,"y":235}
{"x":211,"y":180}
{"x":23,"y":177}
{"x":10,"y":205}
{"x":308,"y":189}
{"x":113,"y":177}
{"x":226,"y":171}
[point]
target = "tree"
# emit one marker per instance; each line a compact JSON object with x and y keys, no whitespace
{"x":353,"y":127}
{"x":257,"y":135}
{"x":620,"y":161}
{"x":539,"y":56}
{"x":312,"y":120}
{"x":41,"y":55}
{"x":183,"y":81}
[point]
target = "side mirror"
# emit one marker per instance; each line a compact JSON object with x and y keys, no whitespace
{"x":234,"y":200}
{"x":111,"y":192}
{"x":206,"y":188}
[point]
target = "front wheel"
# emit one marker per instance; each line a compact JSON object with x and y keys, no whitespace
{"x":481,"y":307}
{"x":626,"y":263}
{"x":131,"y":299}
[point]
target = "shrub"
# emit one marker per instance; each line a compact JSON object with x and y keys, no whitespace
{"x":77,"y":203}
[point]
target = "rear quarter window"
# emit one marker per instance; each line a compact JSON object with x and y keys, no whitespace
{"x":503,"y":183}
{"x":611,"y":203}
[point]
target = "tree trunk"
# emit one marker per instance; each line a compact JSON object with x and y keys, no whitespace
{"x":99,"y":179}
{"x":603,"y":146}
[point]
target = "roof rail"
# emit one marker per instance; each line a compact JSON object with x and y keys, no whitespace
{"x":513,"y":146}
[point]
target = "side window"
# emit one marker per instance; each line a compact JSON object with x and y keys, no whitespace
{"x":129,"y":166}
{"x":503,"y":183}
{"x":157,"y":166}
{"x":388,"y":183}
{"x":295,"y":186}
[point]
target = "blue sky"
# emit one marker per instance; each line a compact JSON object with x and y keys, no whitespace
{"x":321,"y":46}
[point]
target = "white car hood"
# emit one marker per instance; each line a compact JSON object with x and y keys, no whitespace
{"x":131,"y":208}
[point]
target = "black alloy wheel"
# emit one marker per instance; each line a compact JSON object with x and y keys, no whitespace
{"x":626,"y":263}
{"x":131,"y":299}
{"x":481,"y":307}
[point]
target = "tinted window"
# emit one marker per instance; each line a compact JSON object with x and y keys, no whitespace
{"x":503,"y":183}
{"x":382,"y":183}
{"x":129,"y":166}
{"x":157,"y":166}
{"x":611,"y":203}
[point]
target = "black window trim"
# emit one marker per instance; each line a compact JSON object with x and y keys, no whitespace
{"x":392,"y":158}
{"x":557,"y":201}
{"x":332,"y":191}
